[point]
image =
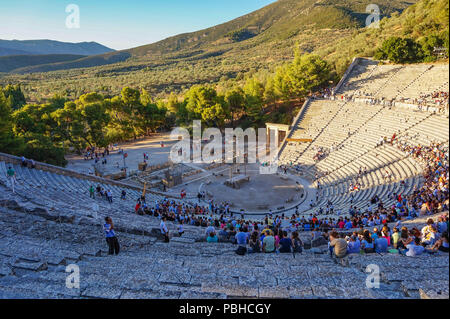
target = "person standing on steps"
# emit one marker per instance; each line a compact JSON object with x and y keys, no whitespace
{"x":12,"y":177}
{"x":92,"y":192}
{"x":164,"y":229}
{"x":111,"y":239}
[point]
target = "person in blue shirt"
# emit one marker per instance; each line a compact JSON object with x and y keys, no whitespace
{"x":261,"y":237}
{"x":212,"y":238}
{"x":364,"y":220}
{"x":111,"y":239}
{"x":354,"y":245}
{"x":242,"y":237}
{"x":285,"y":243}
{"x":348,"y":224}
{"x":367,"y":243}
{"x":375,"y":234}
{"x":381,"y":244}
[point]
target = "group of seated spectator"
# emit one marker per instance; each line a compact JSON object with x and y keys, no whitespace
{"x":410,"y":242}
{"x":433,"y":196}
{"x":438,"y":98}
{"x":271,"y":236}
{"x":281,"y":235}
{"x":256,"y":238}
{"x":320,"y":154}
{"x":324,"y":93}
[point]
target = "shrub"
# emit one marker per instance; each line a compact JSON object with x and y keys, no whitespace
{"x":400,"y":50}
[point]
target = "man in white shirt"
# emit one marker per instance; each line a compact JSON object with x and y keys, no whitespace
{"x":164,"y":229}
{"x":415,"y":249}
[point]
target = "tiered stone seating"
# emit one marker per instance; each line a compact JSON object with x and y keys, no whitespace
{"x":374,"y":80}
{"x":360,"y":151}
{"x":358,"y":77}
{"x":433,"y":129}
{"x":396,"y":82}
{"x":63,"y":193}
{"x":350,"y":135}
{"x":343,"y":125}
{"x":435,"y":79}
{"x":36,"y":251}
{"x":319,"y":114}
{"x":385,"y":123}
{"x":402,"y":80}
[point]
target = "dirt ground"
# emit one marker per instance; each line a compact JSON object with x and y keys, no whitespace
{"x":150,"y":145}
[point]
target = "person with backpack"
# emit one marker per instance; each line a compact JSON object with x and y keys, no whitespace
{"x":111,"y":239}
{"x":297,"y":244}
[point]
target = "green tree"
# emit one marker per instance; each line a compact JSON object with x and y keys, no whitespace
{"x":428,"y":44}
{"x":307,"y":73}
{"x":94,"y":118}
{"x":14,"y":95}
{"x":69,"y":126}
{"x":254,"y":98}
{"x":131,"y":107}
{"x":173,"y":104}
{"x":41,"y":148}
{"x":8,"y":144}
{"x":400,"y":50}
{"x":281,"y":83}
{"x":203,"y":103}
{"x":235,"y":98}
{"x":270,"y":94}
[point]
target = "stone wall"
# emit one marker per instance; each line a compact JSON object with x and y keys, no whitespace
{"x":346,"y":74}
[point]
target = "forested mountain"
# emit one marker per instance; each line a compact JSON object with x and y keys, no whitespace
{"x":273,"y":28}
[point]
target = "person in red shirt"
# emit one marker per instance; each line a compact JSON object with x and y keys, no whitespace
{"x":137,"y":207}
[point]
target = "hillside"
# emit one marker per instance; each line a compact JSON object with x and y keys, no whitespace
{"x":72,"y":63}
{"x":5,"y":51}
{"x":33,"y":47}
{"x":280,"y":20}
{"x":46,"y":55}
{"x":12,"y":62}
{"x":258,"y":41}
{"x":425,"y":18}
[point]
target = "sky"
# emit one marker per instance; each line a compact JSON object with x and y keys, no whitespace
{"x":118,"y":24}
